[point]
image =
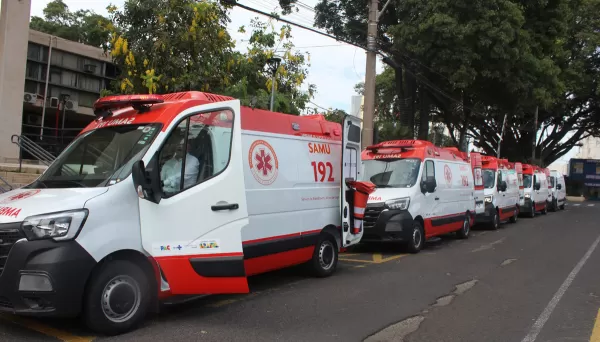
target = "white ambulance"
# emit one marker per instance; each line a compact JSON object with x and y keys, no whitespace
{"x":501,"y":188}
{"x":422,"y":191}
{"x":559,"y":191}
{"x":536,"y":191}
{"x":116,"y":223}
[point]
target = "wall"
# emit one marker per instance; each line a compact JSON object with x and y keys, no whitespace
{"x":14,"y":34}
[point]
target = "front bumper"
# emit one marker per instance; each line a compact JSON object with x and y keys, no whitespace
{"x":66,"y":264}
{"x":488,"y":214}
{"x":381,"y":224}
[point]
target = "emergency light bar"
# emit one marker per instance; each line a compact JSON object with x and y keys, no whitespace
{"x":103,"y":106}
{"x":401,"y":144}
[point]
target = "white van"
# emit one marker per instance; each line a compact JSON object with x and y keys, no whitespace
{"x":536,"y":191}
{"x":501,"y":186}
{"x":559,"y":190}
{"x":422,"y":191}
{"x":110,"y":228}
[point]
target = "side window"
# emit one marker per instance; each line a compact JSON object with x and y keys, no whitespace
{"x":429,"y":170}
{"x":201,"y":142}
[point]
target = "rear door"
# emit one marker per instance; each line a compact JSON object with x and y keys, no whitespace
{"x":194,"y":232}
{"x":351,"y":143}
{"x":478,"y":192}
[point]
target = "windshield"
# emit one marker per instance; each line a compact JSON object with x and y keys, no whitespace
{"x":527,"y":181}
{"x":391,"y":173}
{"x":552,"y":180}
{"x":99,"y":158}
{"x":489,"y":178}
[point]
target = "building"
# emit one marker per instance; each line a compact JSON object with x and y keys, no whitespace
{"x":77,"y":73}
{"x":590,"y":148}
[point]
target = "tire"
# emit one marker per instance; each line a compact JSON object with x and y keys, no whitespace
{"x":562,"y":206}
{"x":515,"y":216}
{"x":532,"y":213}
{"x":463,"y":233}
{"x":129,"y":284}
{"x":417,"y":240}
{"x":555,"y":205}
{"x":495,"y":224}
{"x":545,"y":210}
{"x":325,"y":257}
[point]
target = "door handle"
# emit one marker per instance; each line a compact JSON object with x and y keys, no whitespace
{"x":218,"y":207}
{"x":437,"y":198}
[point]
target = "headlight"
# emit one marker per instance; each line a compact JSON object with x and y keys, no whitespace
{"x":527,"y":195}
{"x":489,"y":199}
{"x":399,"y":203}
{"x":58,"y":226}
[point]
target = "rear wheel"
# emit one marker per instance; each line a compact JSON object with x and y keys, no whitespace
{"x":417,"y":238}
{"x":495,"y":224}
{"x":515,"y":216}
{"x":117,"y":299}
{"x":545,"y":210}
{"x":463,"y":233}
{"x":555,"y":205}
{"x":325,"y":257}
{"x":562,"y":206}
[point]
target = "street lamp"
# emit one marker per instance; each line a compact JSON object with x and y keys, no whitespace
{"x":273,"y":63}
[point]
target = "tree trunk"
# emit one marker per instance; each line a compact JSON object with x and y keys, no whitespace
{"x":463,"y":143}
{"x":408,"y":103}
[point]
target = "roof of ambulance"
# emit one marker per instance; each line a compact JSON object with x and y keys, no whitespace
{"x":252,"y":118}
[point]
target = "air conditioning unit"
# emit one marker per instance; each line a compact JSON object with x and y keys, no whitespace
{"x":89,"y":68}
{"x":72,"y":105}
{"x":34,"y":120}
{"x":54,"y":102}
{"x":30,"y":98}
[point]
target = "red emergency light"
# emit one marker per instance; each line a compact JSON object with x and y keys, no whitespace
{"x":400,"y":144}
{"x":103,"y":106}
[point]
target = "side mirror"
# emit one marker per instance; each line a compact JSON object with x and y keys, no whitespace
{"x":558,"y":186}
{"x":430,"y":184}
{"x":143,"y":182}
{"x":504,"y":186}
{"x":536,"y":186}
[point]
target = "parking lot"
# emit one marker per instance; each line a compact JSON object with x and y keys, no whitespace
{"x":535,"y":280}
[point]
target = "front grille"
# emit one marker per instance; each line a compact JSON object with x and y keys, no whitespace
{"x":9,"y":234}
{"x":372,"y":214}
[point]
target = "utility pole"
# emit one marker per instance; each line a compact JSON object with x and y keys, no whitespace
{"x":534,"y":134}
{"x":501,"y":136}
{"x":274,"y":64}
{"x":371,"y":71}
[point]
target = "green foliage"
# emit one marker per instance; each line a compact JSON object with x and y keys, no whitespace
{"x":82,"y":26}
{"x":468,"y":63}
{"x":180,"y":45}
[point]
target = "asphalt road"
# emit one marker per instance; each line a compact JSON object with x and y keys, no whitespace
{"x":536,"y":280}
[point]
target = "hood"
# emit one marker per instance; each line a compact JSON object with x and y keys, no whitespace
{"x":385,"y":194}
{"x":18,"y":204}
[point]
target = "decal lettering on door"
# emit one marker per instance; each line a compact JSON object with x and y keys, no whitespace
{"x":263,"y":162}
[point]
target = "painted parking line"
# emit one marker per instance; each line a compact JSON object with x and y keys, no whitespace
{"x":45,"y":329}
{"x":576,"y":204}
{"x":596,"y":332}
{"x":374,"y":258}
{"x":590,"y":205}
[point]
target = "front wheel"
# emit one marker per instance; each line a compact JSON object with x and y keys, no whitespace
{"x":117,"y":299}
{"x":532,"y":210}
{"x":417,"y":238}
{"x":515,"y":216}
{"x":325,"y":257}
{"x":463,"y":233}
{"x":495,"y":224}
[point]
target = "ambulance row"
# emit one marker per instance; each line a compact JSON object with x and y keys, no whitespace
{"x":167,"y":196}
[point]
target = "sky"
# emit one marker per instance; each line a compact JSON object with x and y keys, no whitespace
{"x":335,"y":67}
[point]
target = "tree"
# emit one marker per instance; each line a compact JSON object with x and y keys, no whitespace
{"x":82,"y":26}
{"x":474,"y":62}
{"x":184,"y":45}
{"x":256,"y":78}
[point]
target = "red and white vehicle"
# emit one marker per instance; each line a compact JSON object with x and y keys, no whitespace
{"x":116,"y":223}
{"x":501,"y":192}
{"x":536,"y":190}
{"x":476,"y":166}
{"x":422,"y":191}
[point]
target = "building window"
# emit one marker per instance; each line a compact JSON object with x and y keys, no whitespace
{"x":91,"y":84}
{"x":31,"y":87}
{"x":33,"y":51}
{"x":69,"y":61}
{"x":87,"y":100}
{"x":32,"y":70}
{"x":57,"y":58}
{"x":69,"y":79}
